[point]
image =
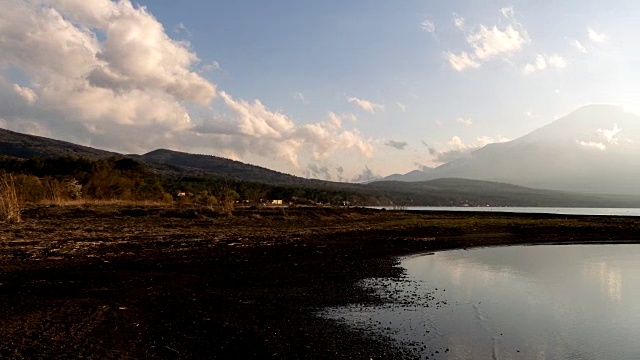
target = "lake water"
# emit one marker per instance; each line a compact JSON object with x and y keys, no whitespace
{"x":533,"y":302}
{"x":532,"y":210}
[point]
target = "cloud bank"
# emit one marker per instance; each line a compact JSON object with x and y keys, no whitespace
{"x":107,"y":74}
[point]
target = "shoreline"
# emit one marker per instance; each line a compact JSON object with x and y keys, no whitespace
{"x":167,"y":282}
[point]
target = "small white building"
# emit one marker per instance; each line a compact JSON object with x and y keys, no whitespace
{"x":276,"y":202}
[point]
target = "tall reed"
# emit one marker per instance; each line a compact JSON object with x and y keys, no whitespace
{"x":10,"y":204}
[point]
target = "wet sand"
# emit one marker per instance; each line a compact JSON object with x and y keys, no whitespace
{"x":161,"y":282}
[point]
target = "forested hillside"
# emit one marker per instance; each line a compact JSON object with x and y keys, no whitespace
{"x":42,"y":179}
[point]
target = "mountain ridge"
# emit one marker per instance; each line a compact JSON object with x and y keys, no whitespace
{"x":25,"y":146}
{"x":216,"y":165}
{"x":593,"y":150}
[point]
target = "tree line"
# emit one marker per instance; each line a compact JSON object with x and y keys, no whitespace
{"x":122,"y":178}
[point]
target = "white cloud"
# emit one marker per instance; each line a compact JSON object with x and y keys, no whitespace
{"x":428,"y":26}
{"x":456,"y":143}
{"x":557,"y":61}
{"x":458,"y":21}
{"x":610,"y":135}
{"x":490,"y":42}
{"x":210,"y":67}
{"x":181,"y":28}
{"x":366,"y":105}
{"x":401,"y":106}
{"x":540,"y":64}
{"x":604,"y":137}
{"x":596,"y":37}
{"x":580,"y":47}
{"x":26,"y":93}
{"x":593,"y":144}
{"x":486,"y":140}
{"x":543,"y":62}
{"x":106,"y":74}
{"x":256,"y":120}
{"x":456,"y":149}
{"x":93,"y":67}
{"x":400,"y":145}
{"x":274,"y":133}
{"x":461,"y":62}
{"x":508,"y":12}
{"x":464,"y":121}
{"x":336,"y":120}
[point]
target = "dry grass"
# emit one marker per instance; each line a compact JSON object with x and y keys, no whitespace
{"x":80,"y":202}
{"x":10,"y":204}
{"x":54,"y":192}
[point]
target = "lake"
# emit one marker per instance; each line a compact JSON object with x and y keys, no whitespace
{"x":530,"y":210}
{"x":534,"y":302}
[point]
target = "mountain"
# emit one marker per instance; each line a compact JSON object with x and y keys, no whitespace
{"x":415,"y":175}
{"x":460,"y":192}
{"x":217,"y":166}
{"x":27,"y":146}
{"x":595,"y":149}
{"x":162,"y":161}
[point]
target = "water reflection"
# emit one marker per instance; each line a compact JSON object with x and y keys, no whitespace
{"x":542,"y":302}
{"x":609,"y":277}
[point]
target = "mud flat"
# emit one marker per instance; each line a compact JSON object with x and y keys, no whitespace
{"x":164,"y":282}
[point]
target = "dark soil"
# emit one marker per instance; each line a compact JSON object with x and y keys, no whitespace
{"x":159,"y":282}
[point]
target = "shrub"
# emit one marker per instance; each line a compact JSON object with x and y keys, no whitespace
{"x":30,"y":188}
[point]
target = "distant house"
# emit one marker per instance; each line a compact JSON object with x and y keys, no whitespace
{"x":276,"y":202}
{"x":181,"y":194}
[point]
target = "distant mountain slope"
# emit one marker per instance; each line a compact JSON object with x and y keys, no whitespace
{"x":214,"y":165}
{"x":457,"y":192}
{"x":595,"y":149}
{"x":415,"y":175}
{"x":27,"y":146}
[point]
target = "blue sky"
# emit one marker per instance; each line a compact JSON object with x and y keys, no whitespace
{"x":330,"y":89}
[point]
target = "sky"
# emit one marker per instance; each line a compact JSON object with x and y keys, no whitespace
{"x":329,"y":89}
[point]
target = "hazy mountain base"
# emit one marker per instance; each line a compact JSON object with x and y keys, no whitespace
{"x":595,"y":149}
{"x":163,"y":282}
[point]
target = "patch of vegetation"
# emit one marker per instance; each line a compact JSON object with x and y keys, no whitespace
{"x":59,"y":180}
{"x":10,"y":204}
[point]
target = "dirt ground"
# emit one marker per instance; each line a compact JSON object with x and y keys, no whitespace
{"x":109,"y":282}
